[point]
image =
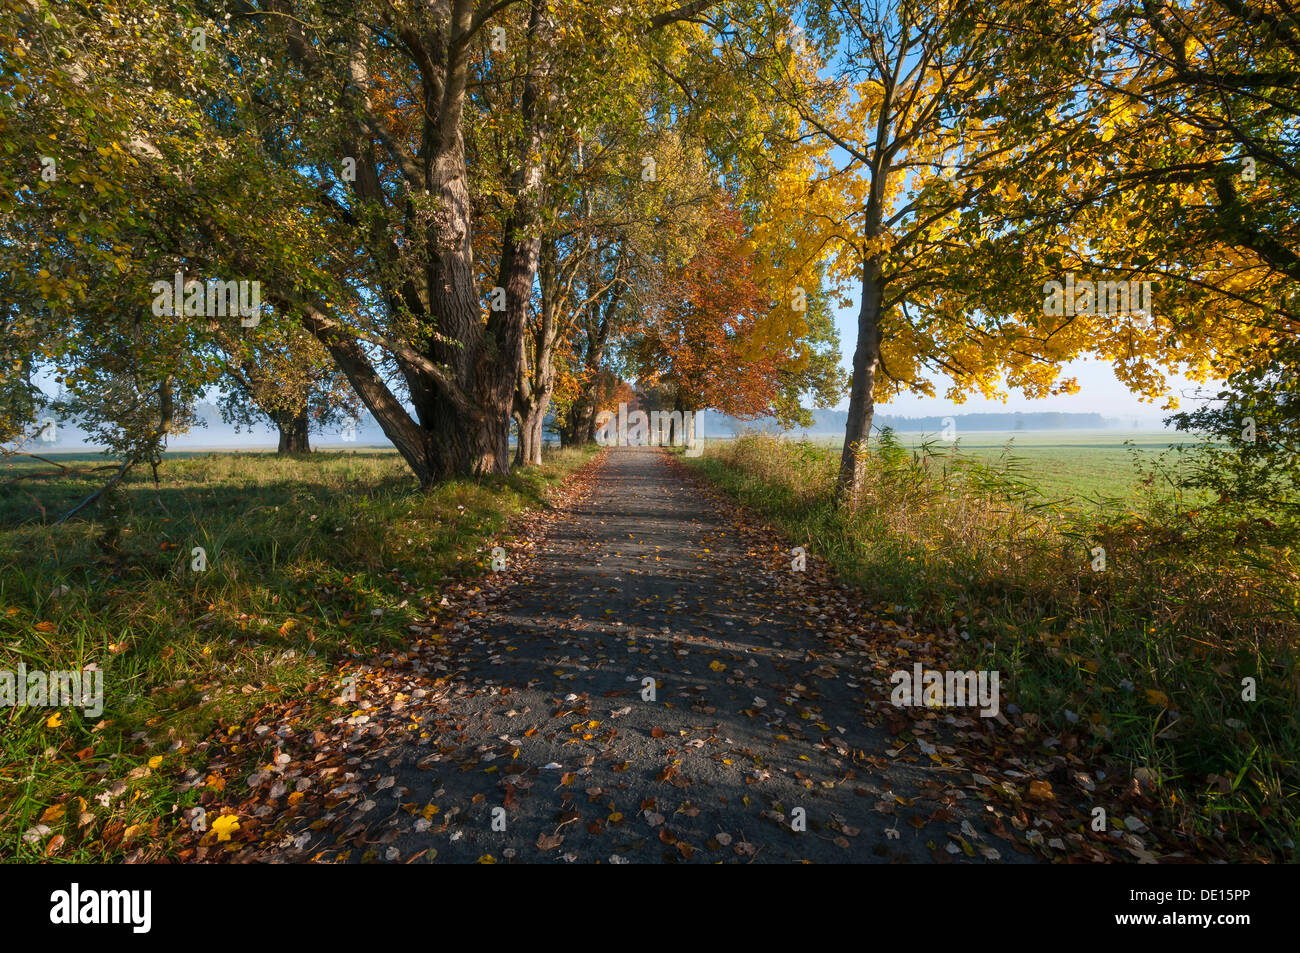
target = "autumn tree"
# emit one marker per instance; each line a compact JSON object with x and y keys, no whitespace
{"x":621,"y":196}
{"x":962,"y":134}
{"x":708,"y":342}
{"x":304,"y":171}
{"x":1207,"y":94}
{"x":813,"y":375}
{"x":81,"y":212}
{"x":1168,"y":161}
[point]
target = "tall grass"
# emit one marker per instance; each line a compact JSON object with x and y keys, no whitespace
{"x":1146,"y":657}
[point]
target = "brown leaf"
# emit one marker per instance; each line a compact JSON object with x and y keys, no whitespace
{"x":1041,"y":791}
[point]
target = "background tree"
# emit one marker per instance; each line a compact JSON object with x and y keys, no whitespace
{"x":703,"y":345}
{"x":814,"y":376}
{"x":283,"y":376}
{"x":81,"y":212}
{"x":899,"y":108}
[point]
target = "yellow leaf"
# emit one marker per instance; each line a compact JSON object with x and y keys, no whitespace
{"x":54,"y":721}
{"x":155,"y":761}
{"x":225,"y":825}
{"x":717,"y":666}
{"x":1041,"y":791}
{"x":53,"y":814}
{"x":1157,"y":697}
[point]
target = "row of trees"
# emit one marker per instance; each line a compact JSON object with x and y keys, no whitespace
{"x":464,"y":213}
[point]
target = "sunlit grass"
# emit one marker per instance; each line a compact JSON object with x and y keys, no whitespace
{"x":309,"y":560}
{"x":1146,"y":658}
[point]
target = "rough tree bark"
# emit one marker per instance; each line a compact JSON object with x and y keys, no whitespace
{"x":533,"y":394}
{"x":295,"y":432}
{"x":866,"y":363}
{"x":461,"y":372}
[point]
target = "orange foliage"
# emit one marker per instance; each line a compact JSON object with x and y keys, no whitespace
{"x":704,"y":337}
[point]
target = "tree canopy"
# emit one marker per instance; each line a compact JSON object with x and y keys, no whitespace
{"x":463,"y":215}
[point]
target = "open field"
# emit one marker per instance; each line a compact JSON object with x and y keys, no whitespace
{"x":1077,"y":468}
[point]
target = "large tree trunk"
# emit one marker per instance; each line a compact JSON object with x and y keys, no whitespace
{"x":460,"y":371}
{"x":294,"y":433}
{"x":578,"y":426}
{"x":866,"y":362}
{"x":488,"y":365}
{"x":462,"y":382}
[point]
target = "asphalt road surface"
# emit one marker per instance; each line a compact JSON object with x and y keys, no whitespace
{"x":769,"y":736}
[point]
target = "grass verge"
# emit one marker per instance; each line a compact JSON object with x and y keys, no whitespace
{"x":1174,"y":656}
{"x":235,"y":583}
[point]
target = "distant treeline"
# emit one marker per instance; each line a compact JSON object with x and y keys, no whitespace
{"x":210,"y":430}
{"x":832,"y":421}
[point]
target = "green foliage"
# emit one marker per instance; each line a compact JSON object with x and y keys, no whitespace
{"x":820,"y":378}
{"x":1253,"y":465}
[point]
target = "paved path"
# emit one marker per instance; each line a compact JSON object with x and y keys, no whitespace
{"x":771,"y":699}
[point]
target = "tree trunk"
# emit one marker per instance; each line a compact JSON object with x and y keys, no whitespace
{"x":294,"y":433}
{"x":538,"y":428}
{"x":530,"y":418}
{"x":520,"y":256}
{"x":866,"y":362}
{"x":461,"y":383}
{"x":582,"y":425}
{"x":568,"y":427}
